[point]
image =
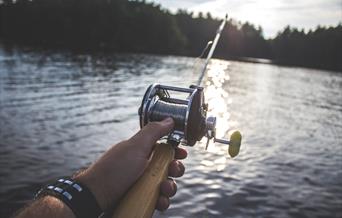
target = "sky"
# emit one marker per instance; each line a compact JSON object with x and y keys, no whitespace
{"x":271,"y":15}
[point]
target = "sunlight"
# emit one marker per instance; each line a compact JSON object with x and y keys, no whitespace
{"x":275,"y":15}
{"x":216,"y":95}
{"x":218,"y":101}
{"x":263,"y":13}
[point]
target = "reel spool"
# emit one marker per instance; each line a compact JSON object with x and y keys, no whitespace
{"x":190,"y":116}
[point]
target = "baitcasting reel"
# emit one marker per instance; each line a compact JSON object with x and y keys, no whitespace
{"x":189,"y":115}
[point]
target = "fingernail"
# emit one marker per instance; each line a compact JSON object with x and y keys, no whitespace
{"x":168,"y":120}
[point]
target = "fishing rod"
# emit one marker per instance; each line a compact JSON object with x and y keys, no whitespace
{"x":191,"y":125}
{"x":212,"y":49}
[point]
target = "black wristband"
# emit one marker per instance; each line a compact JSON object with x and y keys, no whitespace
{"x":74,"y":194}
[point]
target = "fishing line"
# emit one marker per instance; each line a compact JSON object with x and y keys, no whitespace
{"x":163,"y":109}
{"x":196,"y":66}
{"x":189,"y":115}
{"x":212,"y":49}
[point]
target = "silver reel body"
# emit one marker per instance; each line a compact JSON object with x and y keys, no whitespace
{"x":190,"y":114}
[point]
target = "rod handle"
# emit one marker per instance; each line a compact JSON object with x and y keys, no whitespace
{"x":141,"y":199}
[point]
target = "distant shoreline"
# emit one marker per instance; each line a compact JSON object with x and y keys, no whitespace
{"x":280,"y":63}
{"x":55,"y":48}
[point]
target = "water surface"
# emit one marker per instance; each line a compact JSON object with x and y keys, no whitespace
{"x":59,"y":111}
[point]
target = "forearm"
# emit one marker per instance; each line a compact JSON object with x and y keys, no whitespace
{"x":47,"y":206}
{"x":109,"y":178}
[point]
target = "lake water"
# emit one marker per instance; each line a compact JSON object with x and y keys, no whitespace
{"x":59,"y":111}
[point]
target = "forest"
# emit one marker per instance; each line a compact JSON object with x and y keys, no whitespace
{"x":144,"y":27}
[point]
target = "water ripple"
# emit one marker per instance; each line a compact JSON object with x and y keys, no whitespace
{"x":65,"y":109}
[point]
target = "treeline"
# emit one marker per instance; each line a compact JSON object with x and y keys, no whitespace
{"x":137,"y":26}
{"x":321,"y":48}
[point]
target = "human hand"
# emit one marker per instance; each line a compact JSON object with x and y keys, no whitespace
{"x":117,"y":170}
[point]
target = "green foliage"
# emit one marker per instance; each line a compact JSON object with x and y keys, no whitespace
{"x":137,"y":26}
{"x":321,"y":48}
{"x":87,"y":24}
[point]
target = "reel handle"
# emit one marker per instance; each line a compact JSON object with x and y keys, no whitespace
{"x":141,"y":199}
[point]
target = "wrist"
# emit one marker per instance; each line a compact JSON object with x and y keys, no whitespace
{"x":94,"y":184}
{"x":74,"y":194}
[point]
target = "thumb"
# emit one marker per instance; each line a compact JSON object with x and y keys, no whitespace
{"x":151,"y":133}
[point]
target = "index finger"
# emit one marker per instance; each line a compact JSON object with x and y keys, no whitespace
{"x":180,"y":153}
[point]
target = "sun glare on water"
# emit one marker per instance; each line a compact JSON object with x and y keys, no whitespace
{"x":218,"y":100}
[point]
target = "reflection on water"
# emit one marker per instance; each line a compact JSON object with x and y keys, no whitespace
{"x":59,"y":111}
{"x":218,"y":100}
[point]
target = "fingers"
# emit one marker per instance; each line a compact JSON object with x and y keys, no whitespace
{"x":168,"y":188}
{"x":163,"y":203}
{"x":180,"y":153}
{"x":176,"y":169}
{"x":147,"y":136}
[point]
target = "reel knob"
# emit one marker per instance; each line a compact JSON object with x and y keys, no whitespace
{"x":234,"y":143}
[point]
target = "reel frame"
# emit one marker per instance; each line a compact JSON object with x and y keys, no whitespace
{"x":195,"y":111}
